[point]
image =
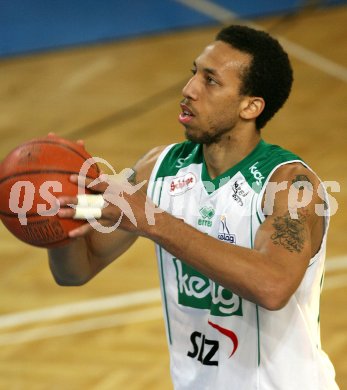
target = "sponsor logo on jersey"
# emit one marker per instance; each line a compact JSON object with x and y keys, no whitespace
{"x":181,"y":161}
{"x":206,"y":350}
{"x":197,"y":291}
{"x":238,"y":193}
{"x":207,"y":213}
{"x":224,"y":233}
{"x":179,"y":185}
{"x":256,"y":174}
{"x":228,"y":333}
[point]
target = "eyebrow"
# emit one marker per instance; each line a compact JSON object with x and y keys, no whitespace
{"x":207,"y":70}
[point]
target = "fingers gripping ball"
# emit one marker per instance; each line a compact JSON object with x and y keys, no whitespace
{"x":32,"y":176}
{"x":89,"y":206}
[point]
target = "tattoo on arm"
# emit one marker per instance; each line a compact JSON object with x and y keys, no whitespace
{"x":302,"y":181}
{"x":132,"y":178}
{"x":289,"y":232}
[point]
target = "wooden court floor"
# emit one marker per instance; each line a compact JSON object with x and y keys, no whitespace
{"x":122,"y":98}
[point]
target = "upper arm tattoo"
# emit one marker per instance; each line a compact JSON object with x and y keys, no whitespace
{"x":132,"y":177}
{"x":289,"y":232}
{"x":302,"y":181}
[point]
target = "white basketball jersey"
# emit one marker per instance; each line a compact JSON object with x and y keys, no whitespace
{"x":218,"y":340}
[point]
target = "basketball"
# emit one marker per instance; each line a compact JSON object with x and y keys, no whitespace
{"x":32,"y":176}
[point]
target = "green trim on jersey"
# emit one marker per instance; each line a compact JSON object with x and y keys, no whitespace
{"x":255,"y":167}
{"x":165,"y":295}
{"x":261,"y":162}
{"x":240,"y":166}
{"x":256,"y":306}
{"x":258,"y":332}
{"x":161,"y":267}
{"x":180,"y":156}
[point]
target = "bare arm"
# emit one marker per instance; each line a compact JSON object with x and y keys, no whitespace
{"x":268,"y":274}
{"x":89,"y":251}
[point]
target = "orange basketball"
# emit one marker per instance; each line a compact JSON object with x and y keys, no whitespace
{"x":32,"y":176}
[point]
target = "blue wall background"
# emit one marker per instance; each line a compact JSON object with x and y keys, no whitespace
{"x":35,"y":25}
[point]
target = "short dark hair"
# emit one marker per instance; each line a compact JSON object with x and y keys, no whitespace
{"x":269,"y":74}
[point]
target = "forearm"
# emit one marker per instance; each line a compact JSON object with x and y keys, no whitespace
{"x":70,"y":264}
{"x":84,"y":257}
{"x":247,"y":272}
{"x":91,"y":251}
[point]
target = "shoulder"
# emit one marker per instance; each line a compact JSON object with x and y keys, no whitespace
{"x":291,"y":200}
{"x":293,"y":187}
{"x":263,"y":161}
{"x":144,"y":166}
{"x":295,"y":174}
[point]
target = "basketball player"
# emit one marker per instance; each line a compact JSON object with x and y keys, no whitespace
{"x":240,"y":229}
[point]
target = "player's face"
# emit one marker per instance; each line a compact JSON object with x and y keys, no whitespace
{"x":212,"y":103}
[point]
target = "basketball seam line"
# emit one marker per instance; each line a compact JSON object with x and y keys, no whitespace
{"x":39,"y":171}
{"x":53,"y":143}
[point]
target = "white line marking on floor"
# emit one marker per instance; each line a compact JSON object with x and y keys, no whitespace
{"x":81,"y":326}
{"x":132,"y":299}
{"x":80,"y":308}
{"x":315,"y":60}
{"x":334,"y":282}
{"x":225,"y":16}
{"x":87,"y":72}
{"x":336,"y":263}
{"x":217,"y":12}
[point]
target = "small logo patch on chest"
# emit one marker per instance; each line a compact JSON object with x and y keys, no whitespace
{"x":207,"y":213}
{"x":224,"y":233}
{"x":179,"y":185}
{"x":239,"y":193}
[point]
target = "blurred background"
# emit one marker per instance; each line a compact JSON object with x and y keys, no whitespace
{"x":111,"y":73}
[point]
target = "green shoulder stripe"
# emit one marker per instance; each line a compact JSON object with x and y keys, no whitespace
{"x":259,"y":167}
{"x":178,"y":157}
{"x":255,"y":167}
{"x":223,"y":178}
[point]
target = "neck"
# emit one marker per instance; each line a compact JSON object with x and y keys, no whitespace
{"x":229,"y":151}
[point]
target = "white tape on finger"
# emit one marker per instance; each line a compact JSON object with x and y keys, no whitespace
{"x":89,"y":200}
{"x":87,"y":212}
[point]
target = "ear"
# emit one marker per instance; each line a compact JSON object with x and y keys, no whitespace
{"x":252,"y":107}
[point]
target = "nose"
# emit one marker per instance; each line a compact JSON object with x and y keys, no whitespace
{"x":190,"y":90}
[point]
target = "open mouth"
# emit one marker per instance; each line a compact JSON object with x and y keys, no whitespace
{"x":186,"y":114}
